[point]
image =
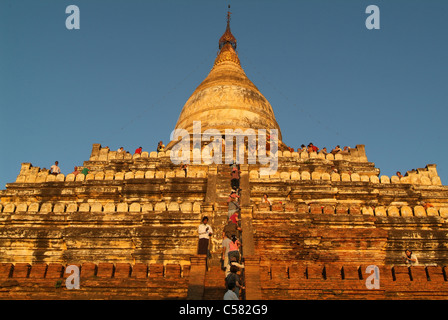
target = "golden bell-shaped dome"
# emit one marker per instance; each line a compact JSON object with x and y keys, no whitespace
{"x":226,"y":98}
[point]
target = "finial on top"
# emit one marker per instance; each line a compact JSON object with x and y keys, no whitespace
{"x":227,"y":37}
{"x":228,"y":16}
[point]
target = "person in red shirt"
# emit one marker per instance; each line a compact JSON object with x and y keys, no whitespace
{"x":234,"y":218}
{"x":138,"y":150}
{"x":312,"y":148}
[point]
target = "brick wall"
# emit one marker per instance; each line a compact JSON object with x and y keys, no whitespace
{"x":334,"y":281}
{"x":97,"y":281}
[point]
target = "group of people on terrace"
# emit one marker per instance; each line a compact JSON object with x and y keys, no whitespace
{"x":312,"y":148}
{"x":139,"y":150}
{"x":55,"y":170}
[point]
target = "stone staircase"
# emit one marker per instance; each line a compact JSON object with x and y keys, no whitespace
{"x":215,"y":276}
{"x":220,"y":209}
{"x":214,"y":288}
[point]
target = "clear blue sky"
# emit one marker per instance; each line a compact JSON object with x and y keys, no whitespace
{"x":124,"y":76}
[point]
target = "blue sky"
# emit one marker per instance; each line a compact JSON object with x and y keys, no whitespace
{"x":124,"y":76}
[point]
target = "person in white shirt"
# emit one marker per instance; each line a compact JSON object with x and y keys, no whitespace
{"x":55,"y":169}
{"x":231,"y":263}
{"x":265,"y":199}
{"x":230,"y":294}
{"x":205,"y":232}
{"x":225,"y":249}
{"x":410,"y":258}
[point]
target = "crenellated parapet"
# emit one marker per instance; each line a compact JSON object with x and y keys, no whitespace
{"x":426,"y":177}
{"x":97,"y":207}
{"x":105,"y":164}
{"x":353,"y":209}
{"x":298,"y":281}
{"x":100,"y":270}
{"x":101,"y":280}
{"x":30,"y":174}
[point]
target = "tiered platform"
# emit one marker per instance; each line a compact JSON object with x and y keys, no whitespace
{"x":132,"y":223}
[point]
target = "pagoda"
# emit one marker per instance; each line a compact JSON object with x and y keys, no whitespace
{"x":335,"y":227}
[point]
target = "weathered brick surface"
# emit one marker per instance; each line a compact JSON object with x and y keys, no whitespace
{"x":104,"y":285}
{"x":105,"y":270}
{"x":437,"y":274}
{"x":38,"y":270}
{"x":172,"y":271}
{"x":155,"y":270}
{"x":88,"y":269}
{"x":5,"y":270}
{"x":401,"y":273}
{"x":55,"y":271}
{"x":140,"y":271}
{"x":313,"y":284}
{"x":351,"y":272}
{"x":21,"y":270}
{"x":314,"y":242}
{"x":122,"y":270}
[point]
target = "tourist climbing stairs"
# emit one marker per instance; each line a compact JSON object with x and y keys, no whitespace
{"x":215,"y":276}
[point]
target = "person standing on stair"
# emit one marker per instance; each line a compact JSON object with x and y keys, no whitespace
{"x":231,"y":263}
{"x":225,"y":249}
{"x":233,"y":207}
{"x":233,"y":195}
{"x":235,"y":182}
{"x":230,"y":294}
{"x":234,"y":278}
{"x":205,"y":232}
{"x":184,"y":166}
{"x":231,"y":229}
{"x":234,"y":218}
{"x":234,"y":248}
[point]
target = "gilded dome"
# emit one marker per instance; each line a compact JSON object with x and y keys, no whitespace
{"x":226,"y":98}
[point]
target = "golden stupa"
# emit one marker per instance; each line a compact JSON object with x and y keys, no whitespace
{"x":227,"y":99}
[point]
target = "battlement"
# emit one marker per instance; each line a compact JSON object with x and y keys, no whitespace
{"x":427,"y":176}
{"x":277,"y":281}
{"x":273,"y":270}
{"x":352,"y":209}
{"x":30,"y":174}
{"x":99,"y":281}
{"x":98,"y":270}
{"x":106,"y":165}
{"x":333,"y":281}
{"x":97,"y":207}
{"x":104,"y":154}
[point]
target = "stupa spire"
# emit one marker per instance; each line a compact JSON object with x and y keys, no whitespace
{"x":227,"y":45}
{"x":227,"y":37}
{"x":226,"y":98}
